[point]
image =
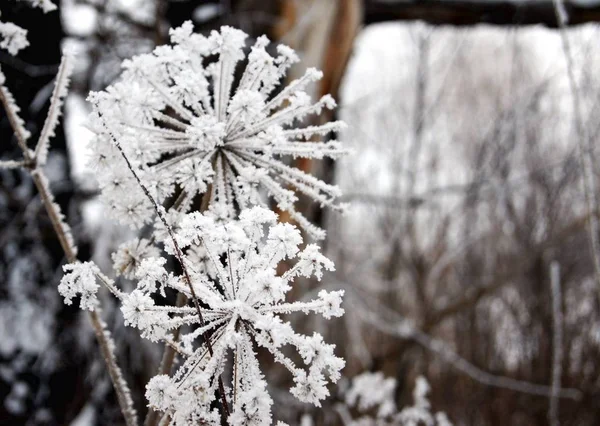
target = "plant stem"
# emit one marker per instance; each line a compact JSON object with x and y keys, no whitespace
{"x":63,"y":234}
{"x":166,"y":364}
{"x":179,"y":256}
{"x":102,"y":333}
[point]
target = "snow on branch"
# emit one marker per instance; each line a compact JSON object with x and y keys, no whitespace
{"x":12,"y":112}
{"x":61,"y":88}
{"x":10,"y":164}
{"x":107,"y":347}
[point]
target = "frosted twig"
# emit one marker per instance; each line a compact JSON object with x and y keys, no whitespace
{"x":12,"y":112}
{"x":178,"y":254}
{"x":10,"y":164}
{"x":63,"y":233}
{"x":56,"y":101}
{"x":107,"y":347}
{"x":166,"y":363}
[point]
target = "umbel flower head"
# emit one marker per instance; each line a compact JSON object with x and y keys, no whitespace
{"x":183,"y":122}
{"x":235,"y":277}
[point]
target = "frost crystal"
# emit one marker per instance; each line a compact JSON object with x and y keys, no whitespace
{"x":45,"y":5}
{"x":181,"y":120}
{"x":370,"y":390}
{"x":243,"y":299}
{"x":129,"y":256}
{"x":80,"y":280}
{"x":14,"y":38}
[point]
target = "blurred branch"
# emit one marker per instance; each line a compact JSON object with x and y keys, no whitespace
{"x":557,"y":342}
{"x":426,"y":198}
{"x":404,"y":329}
{"x":31,"y":70}
{"x":471,"y":12}
{"x":11,"y":164}
{"x":389,"y":200}
{"x":583,"y":141}
{"x":474,"y":295}
{"x":101,"y":8}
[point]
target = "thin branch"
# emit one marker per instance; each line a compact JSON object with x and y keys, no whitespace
{"x":404,"y":329}
{"x":63,"y":233}
{"x":31,"y":70}
{"x":168,"y":358}
{"x":12,"y":112}
{"x":583,"y":141}
{"x":557,"y":343}
{"x":61,"y":88}
{"x":10,"y":164}
{"x":178,"y":254}
{"x":107,"y":347}
{"x":61,"y":228}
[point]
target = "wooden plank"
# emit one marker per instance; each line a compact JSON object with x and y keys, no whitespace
{"x":466,"y":13}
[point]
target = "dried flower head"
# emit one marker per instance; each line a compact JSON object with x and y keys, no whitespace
{"x":243,"y":299}
{"x":180,"y":118}
{"x":129,"y":256}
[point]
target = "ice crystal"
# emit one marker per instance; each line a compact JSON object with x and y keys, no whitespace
{"x":370,"y":390}
{"x":190,"y":130}
{"x":129,"y":256}
{"x":243,"y":299}
{"x":45,"y":5}
{"x":14,"y":38}
{"x":80,"y":280}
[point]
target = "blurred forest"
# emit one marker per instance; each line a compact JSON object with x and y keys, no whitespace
{"x":469,"y":253}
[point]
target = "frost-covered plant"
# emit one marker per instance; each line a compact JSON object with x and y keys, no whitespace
{"x":190,"y":130}
{"x":82,"y":277}
{"x":371,"y":391}
{"x":14,"y":38}
{"x":80,"y":281}
{"x":164,"y":138}
{"x":45,"y":5}
{"x":129,"y":256}
{"x":232,"y":267}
